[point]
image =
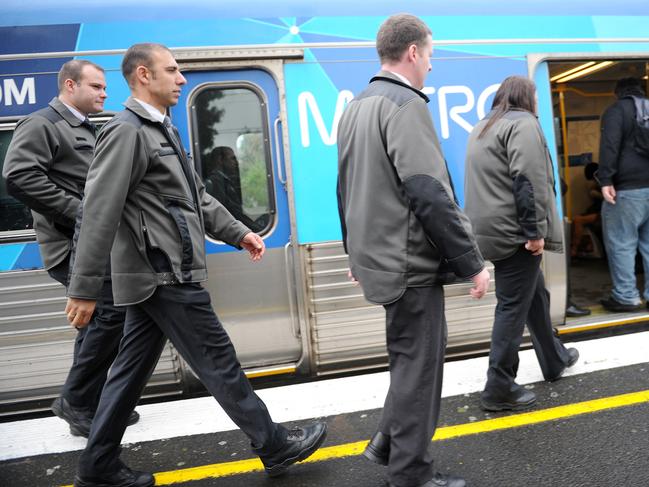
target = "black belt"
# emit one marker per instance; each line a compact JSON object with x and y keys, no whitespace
{"x":167,"y":279}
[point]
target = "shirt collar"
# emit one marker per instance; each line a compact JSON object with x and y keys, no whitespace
{"x":75,"y":112}
{"x":153,"y":111}
{"x":402,"y":78}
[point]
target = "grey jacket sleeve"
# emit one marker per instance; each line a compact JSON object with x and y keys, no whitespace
{"x":113,"y":173}
{"x":527,"y":156}
{"x":26,"y":167}
{"x":219,"y":222}
{"x":412,"y":146}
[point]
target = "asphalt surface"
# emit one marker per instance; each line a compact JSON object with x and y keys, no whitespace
{"x":599,"y":449}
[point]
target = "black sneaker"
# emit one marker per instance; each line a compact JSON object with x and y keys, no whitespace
{"x":300,"y":444}
{"x":124,"y":477}
{"x":79,"y":420}
{"x":611,"y":304}
{"x":519,"y":400}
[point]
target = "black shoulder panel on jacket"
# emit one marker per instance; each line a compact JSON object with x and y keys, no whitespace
{"x":396,"y":91}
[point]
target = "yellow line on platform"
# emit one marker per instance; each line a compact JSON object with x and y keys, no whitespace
{"x":568,"y":329}
{"x":444,"y":433}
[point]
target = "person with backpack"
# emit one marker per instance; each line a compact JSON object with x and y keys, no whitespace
{"x":624,"y":176}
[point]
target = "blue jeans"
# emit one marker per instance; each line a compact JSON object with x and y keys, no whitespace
{"x":626,"y":229}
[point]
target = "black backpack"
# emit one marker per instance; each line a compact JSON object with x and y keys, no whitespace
{"x":641,"y":126}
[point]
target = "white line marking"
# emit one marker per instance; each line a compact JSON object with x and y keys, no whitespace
{"x":302,"y":401}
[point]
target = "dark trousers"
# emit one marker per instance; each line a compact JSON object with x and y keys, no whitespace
{"x":416,"y":341}
{"x":95,"y":347}
{"x":183,"y":314}
{"x":522,"y":298}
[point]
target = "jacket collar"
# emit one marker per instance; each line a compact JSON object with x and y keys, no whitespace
{"x":391,"y":78}
{"x":631,"y":92}
{"x":65,"y":113}
{"x":135,"y":106}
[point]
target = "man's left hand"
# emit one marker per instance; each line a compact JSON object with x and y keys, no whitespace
{"x":254,"y":245}
{"x":79,"y":311}
{"x":535,"y":246}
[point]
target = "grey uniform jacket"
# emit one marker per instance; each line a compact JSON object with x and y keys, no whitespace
{"x":45,"y":168}
{"x":142,"y":195}
{"x":401,"y":224}
{"x":510,"y":187}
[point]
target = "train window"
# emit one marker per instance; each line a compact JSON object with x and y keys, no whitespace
{"x":14,"y":216}
{"x":232,"y":151}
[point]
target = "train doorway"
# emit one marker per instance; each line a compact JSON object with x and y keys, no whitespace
{"x":581,"y":92}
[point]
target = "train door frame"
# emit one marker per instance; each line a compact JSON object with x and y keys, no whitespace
{"x":272,"y":61}
{"x":538,"y":70}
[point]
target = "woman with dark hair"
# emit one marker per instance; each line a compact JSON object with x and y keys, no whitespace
{"x":511,"y":201}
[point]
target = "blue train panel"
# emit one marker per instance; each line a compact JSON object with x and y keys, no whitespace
{"x":461,"y":85}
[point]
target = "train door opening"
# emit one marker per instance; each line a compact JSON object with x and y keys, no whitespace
{"x":581,"y":92}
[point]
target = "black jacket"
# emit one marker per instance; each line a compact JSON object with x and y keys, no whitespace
{"x":620,"y":165}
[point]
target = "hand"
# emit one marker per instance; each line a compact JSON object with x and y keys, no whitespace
{"x":254,"y":245}
{"x":608,"y":192}
{"x":352,"y":278}
{"x":79,"y":311}
{"x":535,"y":246}
{"x":480,"y":284}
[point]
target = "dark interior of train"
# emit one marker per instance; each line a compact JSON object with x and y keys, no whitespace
{"x":581,"y":91}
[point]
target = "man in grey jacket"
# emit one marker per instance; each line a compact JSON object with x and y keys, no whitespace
{"x":144,"y":199}
{"x":405,"y":235}
{"x":45,"y":168}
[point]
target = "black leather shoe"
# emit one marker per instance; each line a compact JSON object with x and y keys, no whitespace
{"x":78,"y":419}
{"x":516,"y":401}
{"x":133,"y":418}
{"x":124,"y":477}
{"x":574,"y":311}
{"x":378,"y":449}
{"x":611,"y":304}
{"x":442,"y":480}
{"x":573,"y":353}
{"x":573,"y":356}
{"x":300,"y":444}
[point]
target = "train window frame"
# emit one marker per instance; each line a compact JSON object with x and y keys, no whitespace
{"x":14,"y":236}
{"x":266,"y":134}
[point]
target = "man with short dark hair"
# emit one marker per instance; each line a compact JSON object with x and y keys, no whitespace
{"x":624,"y":176}
{"x":144,"y":199}
{"x":405,"y":235}
{"x":45,"y":168}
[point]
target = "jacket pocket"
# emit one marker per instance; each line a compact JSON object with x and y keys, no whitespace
{"x":158,"y":258}
{"x":83,"y":146}
{"x":185,"y":238}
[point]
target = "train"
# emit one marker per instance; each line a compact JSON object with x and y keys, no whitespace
{"x":267,"y":83}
